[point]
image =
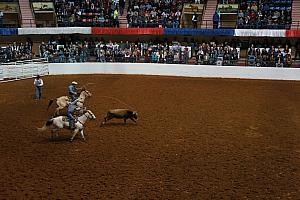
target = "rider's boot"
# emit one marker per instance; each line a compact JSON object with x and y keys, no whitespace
{"x":72,"y":125}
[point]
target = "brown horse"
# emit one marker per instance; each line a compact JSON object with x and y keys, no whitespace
{"x":63,"y":101}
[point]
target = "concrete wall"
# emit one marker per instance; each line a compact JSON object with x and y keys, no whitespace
{"x":176,"y":70}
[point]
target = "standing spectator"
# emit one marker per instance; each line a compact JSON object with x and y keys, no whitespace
{"x":216,"y":20}
{"x":195,"y":20}
{"x":121,"y":6}
{"x":1,"y":19}
{"x":116,"y":18}
{"x":176,"y":22}
{"x":38,"y":82}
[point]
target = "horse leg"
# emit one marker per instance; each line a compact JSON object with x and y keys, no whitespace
{"x":57,"y":110}
{"x":74,"y":134}
{"x":52,"y":131}
{"x":82,"y":134}
{"x":56,"y":113}
{"x":81,"y":110}
{"x":55,"y":130}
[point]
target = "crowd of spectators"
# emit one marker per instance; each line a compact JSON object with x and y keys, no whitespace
{"x":260,"y":14}
{"x":212,"y":53}
{"x":154,"y":51}
{"x":139,"y":51}
{"x":62,"y":51}
{"x":108,"y":51}
{"x":154,"y":13}
{"x":273,"y":56}
{"x":70,"y":50}
{"x":16,"y":51}
{"x":221,"y":54}
{"x":101,"y":13}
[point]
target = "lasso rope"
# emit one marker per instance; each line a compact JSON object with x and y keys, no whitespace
{"x":118,"y":101}
{"x":110,"y":97}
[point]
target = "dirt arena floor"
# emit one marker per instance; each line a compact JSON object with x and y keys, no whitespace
{"x":195,"y":139}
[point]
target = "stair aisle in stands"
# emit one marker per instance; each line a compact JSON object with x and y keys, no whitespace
{"x":27,"y":14}
{"x":295,"y":15}
{"x":207,"y":19}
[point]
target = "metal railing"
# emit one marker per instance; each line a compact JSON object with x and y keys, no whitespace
{"x":9,"y":23}
{"x":23,"y":69}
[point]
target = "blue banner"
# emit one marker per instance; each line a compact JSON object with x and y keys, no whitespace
{"x":8,"y":31}
{"x":204,"y":32}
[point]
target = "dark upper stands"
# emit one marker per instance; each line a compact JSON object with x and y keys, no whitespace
{"x":265,"y":14}
{"x":254,"y":14}
{"x":151,"y":13}
{"x":87,"y":13}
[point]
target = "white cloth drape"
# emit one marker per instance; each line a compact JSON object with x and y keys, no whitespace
{"x":54,"y":30}
{"x":259,"y":33}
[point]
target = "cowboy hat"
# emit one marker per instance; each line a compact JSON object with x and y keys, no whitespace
{"x":74,"y":83}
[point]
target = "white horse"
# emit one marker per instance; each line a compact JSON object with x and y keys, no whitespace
{"x":63,"y":101}
{"x":57,"y":123}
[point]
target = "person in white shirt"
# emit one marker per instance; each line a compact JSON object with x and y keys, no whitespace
{"x":1,"y":18}
{"x":38,"y":82}
{"x":195,"y":20}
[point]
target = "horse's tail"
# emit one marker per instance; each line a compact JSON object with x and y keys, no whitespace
{"x":50,"y":103}
{"x":45,"y":127}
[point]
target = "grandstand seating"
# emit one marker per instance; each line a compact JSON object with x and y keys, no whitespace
{"x":249,"y":14}
{"x":267,"y":57}
{"x":86,"y":13}
{"x":271,"y":14}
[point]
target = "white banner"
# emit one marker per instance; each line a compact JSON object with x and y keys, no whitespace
{"x":259,"y":33}
{"x":54,"y":30}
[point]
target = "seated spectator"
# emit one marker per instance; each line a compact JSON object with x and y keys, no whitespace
{"x":270,"y":57}
{"x":209,"y":53}
{"x":16,"y":51}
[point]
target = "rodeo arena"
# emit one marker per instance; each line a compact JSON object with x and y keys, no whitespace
{"x":150,"y":99}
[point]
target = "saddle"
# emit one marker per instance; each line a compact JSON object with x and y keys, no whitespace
{"x":65,"y":119}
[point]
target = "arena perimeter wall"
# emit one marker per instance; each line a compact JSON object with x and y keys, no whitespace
{"x":270,"y":73}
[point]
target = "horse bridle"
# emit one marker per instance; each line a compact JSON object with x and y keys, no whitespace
{"x":87,"y":95}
